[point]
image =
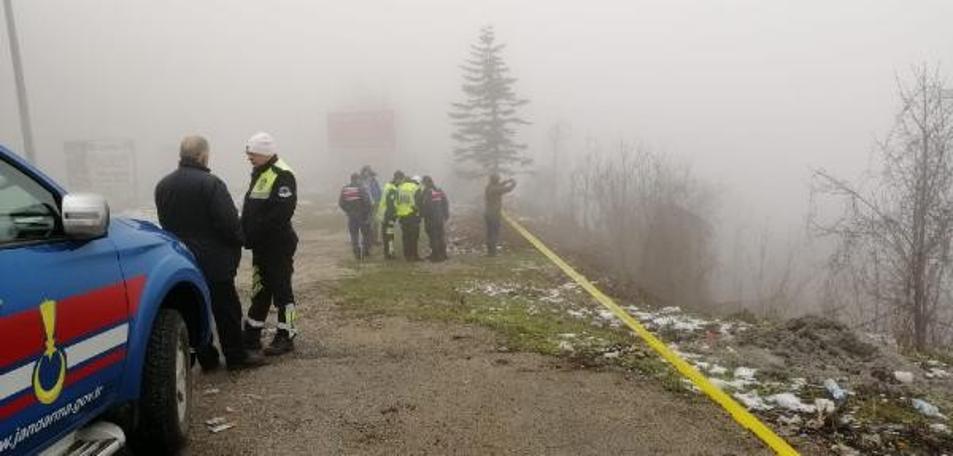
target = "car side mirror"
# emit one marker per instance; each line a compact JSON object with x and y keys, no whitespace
{"x":85,"y":216}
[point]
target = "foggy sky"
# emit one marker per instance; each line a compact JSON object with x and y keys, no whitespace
{"x":751,"y":93}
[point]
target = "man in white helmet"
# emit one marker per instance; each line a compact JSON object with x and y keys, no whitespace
{"x":266,"y":221}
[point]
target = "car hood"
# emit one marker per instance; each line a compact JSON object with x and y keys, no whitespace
{"x":132,"y":235}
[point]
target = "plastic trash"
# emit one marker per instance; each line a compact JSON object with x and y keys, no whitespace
{"x":927,"y":409}
{"x":837,"y":393}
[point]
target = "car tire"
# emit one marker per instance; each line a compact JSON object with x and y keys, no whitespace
{"x":166,"y":398}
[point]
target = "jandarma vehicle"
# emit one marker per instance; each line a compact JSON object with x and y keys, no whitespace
{"x":98,"y":320}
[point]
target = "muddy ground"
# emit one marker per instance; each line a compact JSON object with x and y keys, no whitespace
{"x":388,"y":385}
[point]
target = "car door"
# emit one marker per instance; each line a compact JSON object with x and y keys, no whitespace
{"x":63,"y":317}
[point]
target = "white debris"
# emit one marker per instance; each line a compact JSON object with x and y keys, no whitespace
{"x":576,"y":313}
{"x":211,"y":392}
{"x":936,"y":372}
{"x":670,"y":310}
{"x":793,"y":420}
{"x":836,"y":392}
{"x":679,"y":323}
{"x":221,"y":427}
{"x":824,"y":406}
{"x":927,"y":409}
{"x":566,"y":346}
{"x":791,"y":402}
{"x":606,"y":315}
{"x":612,"y":354}
{"x":725,"y":329}
{"x":903,"y":377}
{"x":715,"y":369}
{"x":216,"y":421}
{"x":798,"y":383}
{"x":568,"y":335}
{"x":745,"y":372}
{"x":752,"y":401}
{"x":940,"y":428}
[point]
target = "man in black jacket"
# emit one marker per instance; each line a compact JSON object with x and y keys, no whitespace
{"x":266,"y":220}
{"x":435,"y":209}
{"x":195,"y":205}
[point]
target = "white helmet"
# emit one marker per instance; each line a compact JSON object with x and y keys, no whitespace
{"x":415,"y":179}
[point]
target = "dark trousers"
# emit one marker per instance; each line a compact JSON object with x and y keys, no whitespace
{"x":359,"y":227}
{"x":438,"y":239}
{"x":492,"y":233}
{"x":227,"y":310}
{"x":410,"y":233}
{"x":387,"y":235}
{"x":271,"y":284}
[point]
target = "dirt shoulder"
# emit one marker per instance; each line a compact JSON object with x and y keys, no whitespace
{"x":377,"y":374}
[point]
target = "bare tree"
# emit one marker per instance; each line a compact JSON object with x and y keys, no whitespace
{"x":894,"y":230}
{"x":650,"y":217}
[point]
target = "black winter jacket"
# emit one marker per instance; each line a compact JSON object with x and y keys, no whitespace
{"x":266,"y":220}
{"x":195,"y":205}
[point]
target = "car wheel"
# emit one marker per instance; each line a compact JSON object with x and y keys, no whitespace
{"x":166,"y":401}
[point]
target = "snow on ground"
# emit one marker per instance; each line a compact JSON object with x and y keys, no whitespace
{"x":720,"y":350}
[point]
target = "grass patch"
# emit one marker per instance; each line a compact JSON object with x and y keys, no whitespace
{"x":504,"y":294}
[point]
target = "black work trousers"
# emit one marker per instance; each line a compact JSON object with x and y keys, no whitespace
{"x":410,"y":234}
{"x":227,"y":310}
{"x":271,"y":284}
{"x":435,"y":227}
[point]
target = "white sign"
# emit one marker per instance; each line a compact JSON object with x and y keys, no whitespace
{"x":105,"y":167}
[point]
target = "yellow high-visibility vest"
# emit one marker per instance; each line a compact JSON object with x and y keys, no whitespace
{"x":382,"y":205}
{"x":406,"y":203}
{"x":266,"y":180}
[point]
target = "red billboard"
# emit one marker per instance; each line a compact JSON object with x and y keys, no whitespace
{"x":361,"y":130}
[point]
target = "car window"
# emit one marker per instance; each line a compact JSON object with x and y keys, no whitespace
{"x":28,"y":211}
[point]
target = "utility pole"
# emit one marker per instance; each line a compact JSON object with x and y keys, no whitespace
{"x":26,"y":128}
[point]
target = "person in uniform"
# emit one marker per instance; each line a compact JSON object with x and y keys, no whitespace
{"x":408,"y":214}
{"x":435,"y":209}
{"x":266,"y":221}
{"x":356,"y":203}
{"x":388,"y":214}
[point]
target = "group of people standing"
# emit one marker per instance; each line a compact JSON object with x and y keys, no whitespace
{"x":404,"y":201}
{"x":197,"y":207}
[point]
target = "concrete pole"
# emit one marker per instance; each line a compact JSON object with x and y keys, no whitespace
{"x":26,"y":128}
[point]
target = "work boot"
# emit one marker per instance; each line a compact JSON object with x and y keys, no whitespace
{"x":281,"y":344}
{"x":251,"y":360}
{"x":251,"y":338}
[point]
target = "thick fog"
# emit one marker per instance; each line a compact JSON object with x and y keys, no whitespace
{"x":750,"y":94}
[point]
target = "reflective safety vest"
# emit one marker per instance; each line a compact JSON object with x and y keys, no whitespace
{"x":406,"y":203}
{"x":382,"y":205}
{"x":266,"y":180}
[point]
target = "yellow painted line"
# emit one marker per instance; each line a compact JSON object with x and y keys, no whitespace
{"x":736,"y":410}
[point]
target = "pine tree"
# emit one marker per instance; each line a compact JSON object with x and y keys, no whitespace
{"x":487,"y":120}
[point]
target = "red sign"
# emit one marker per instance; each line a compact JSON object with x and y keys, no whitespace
{"x":361,"y":130}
